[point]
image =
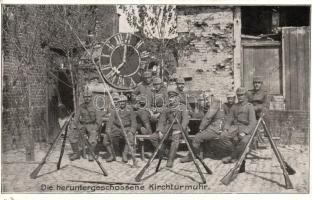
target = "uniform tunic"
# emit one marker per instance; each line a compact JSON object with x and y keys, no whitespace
{"x":85,"y":122}
{"x":258,"y":99}
{"x":146,"y":91}
{"x":128,"y":118}
{"x":212,"y":125}
{"x":241,"y":119}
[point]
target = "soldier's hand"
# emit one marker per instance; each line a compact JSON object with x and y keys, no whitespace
{"x":242,"y":134}
{"x":235,"y":139}
{"x":225,"y":133}
{"x":160,"y":134}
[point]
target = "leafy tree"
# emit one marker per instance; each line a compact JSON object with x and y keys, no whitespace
{"x":157,"y":24}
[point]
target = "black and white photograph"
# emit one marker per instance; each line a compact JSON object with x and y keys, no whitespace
{"x":155,"y":99}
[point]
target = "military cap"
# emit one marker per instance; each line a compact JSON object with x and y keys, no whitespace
{"x":141,"y":99}
{"x":157,"y":80}
{"x":230,"y":94}
{"x":123,"y":98}
{"x":172,"y":91}
{"x":180,"y":80}
{"x":241,"y":90}
{"x":92,"y":77}
{"x":115,"y":96}
{"x":258,"y":79}
{"x":147,"y":74}
{"x":87,"y":93}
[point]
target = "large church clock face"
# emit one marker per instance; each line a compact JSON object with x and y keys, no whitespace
{"x":121,"y":59}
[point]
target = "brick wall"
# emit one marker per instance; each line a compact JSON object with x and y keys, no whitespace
{"x":25,"y":85}
{"x":291,"y":126}
{"x":208,"y":59}
{"x":23,"y":91}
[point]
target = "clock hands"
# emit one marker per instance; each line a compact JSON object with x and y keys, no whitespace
{"x":117,"y":69}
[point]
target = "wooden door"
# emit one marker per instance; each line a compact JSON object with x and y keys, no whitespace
{"x":262,"y":58}
{"x":296,"y":61}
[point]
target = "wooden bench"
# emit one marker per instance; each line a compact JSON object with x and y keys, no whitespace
{"x":141,"y":138}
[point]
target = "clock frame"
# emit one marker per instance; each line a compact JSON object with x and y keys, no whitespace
{"x":122,"y":59}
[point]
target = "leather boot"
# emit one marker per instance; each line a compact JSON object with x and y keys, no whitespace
{"x":76,"y":153}
{"x":111,"y":157}
{"x":173,"y":150}
{"x":125,"y":154}
{"x":187,"y":158}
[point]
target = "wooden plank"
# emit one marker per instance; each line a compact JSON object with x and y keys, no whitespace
{"x":300,"y":66}
{"x":237,"y":50}
{"x":306,"y":60}
{"x":261,"y":44}
{"x":286,"y":58}
{"x":248,"y":67}
{"x":293,"y":69}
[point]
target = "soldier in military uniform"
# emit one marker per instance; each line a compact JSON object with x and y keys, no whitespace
{"x":143,"y":116}
{"x":165,"y":120}
{"x":159,"y":100}
{"x":84,"y":123}
{"x":180,"y":90}
{"x":239,"y":125}
{"x":113,"y":128}
{"x":231,"y":96}
{"x":257,"y":96}
{"x":145,"y":88}
{"x":211,"y":127}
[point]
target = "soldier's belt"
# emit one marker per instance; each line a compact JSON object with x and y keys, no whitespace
{"x":242,"y":122}
{"x":84,"y":123}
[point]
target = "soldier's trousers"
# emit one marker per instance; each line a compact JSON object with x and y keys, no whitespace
{"x":210,"y":135}
{"x":86,"y":129}
{"x":174,"y":137}
{"x":239,"y":148}
{"x":117,"y":135}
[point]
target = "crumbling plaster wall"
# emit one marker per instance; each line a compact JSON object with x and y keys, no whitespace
{"x":208,"y":59}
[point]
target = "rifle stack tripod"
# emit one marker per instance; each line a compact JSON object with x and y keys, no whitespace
{"x":240,"y":164}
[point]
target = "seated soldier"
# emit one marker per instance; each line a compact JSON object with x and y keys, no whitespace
{"x":143,"y":116}
{"x":85,"y":125}
{"x":114,"y":130}
{"x":159,"y":99}
{"x":175,"y":108}
{"x":239,"y":125}
{"x":210,"y":128}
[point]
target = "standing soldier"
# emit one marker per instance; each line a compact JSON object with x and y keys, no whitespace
{"x":257,"y":96}
{"x":240,"y":124}
{"x":145,"y":88}
{"x":180,"y":90}
{"x":160,"y":95}
{"x":175,"y":109}
{"x":113,"y":128}
{"x":210,"y":128}
{"x":85,"y":122}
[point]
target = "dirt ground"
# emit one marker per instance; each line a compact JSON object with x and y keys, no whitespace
{"x":263,"y":174}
